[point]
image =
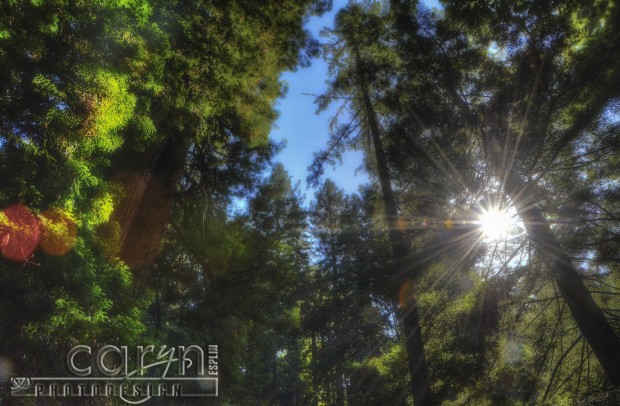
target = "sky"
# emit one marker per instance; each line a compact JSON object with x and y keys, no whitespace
{"x":305,"y":131}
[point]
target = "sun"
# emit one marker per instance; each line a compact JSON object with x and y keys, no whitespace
{"x":494,"y":223}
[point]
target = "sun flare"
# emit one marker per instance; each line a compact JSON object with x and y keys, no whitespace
{"x":495,"y":223}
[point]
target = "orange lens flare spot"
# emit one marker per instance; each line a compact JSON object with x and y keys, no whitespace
{"x":405,"y":294}
{"x":448,"y":224}
{"x":59,"y":232}
{"x":19,"y":233}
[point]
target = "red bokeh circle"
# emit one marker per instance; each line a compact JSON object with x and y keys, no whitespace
{"x":19,"y":233}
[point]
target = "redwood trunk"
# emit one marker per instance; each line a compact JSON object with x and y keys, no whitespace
{"x":149,"y":180}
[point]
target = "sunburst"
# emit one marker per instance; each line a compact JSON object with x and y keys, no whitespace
{"x":495,"y":223}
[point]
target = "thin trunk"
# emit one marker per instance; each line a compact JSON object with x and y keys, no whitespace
{"x":315,"y":378}
{"x":158,"y":313}
{"x":408,"y":314}
{"x":328,"y":389}
{"x":274,"y":380}
{"x":586,"y":312}
{"x":338,"y":381}
{"x":340,"y":394}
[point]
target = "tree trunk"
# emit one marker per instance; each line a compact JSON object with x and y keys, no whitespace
{"x":587,"y":314}
{"x":149,"y":180}
{"x":409,"y":315}
{"x":315,"y":378}
{"x":340,"y":394}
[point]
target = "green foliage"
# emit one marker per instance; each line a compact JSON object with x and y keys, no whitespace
{"x":380,"y":380}
{"x":88,"y":84}
{"x":301,"y":300}
{"x":241,"y":275}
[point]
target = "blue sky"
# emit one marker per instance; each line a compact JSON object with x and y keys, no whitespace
{"x":306,"y":132}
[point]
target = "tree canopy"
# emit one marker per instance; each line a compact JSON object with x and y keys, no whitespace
{"x":141,"y":204}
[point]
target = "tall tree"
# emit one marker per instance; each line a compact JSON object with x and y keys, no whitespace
{"x":358,"y":60}
{"x":344,"y":309}
{"x":233,"y":278}
{"x":65,"y":99}
{"x":109,"y":111}
{"x":528,"y":81}
{"x":219,"y":79}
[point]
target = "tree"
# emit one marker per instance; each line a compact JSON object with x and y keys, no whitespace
{"x":219,"y":78}
{"x":486,"y":111}
{"x":234,"y":278}
{"x":358,"y":61}
{"x":65,"y":99}
{"x":344,"y":312}
{"x":526,"y":104}
{"x":109,"y":112}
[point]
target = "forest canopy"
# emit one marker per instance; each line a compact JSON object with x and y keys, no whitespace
{"x":141,"y":202}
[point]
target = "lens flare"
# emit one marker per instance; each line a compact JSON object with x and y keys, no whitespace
{"x":494,"y":223}
{"x":6,"y":369}
{"x":406,"y":294}
{"x":19,"y":233}
{"x":59,"y":232}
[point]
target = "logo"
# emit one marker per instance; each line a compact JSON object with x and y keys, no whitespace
{"x":179,"y":372}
